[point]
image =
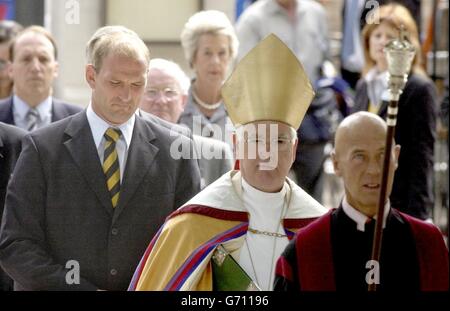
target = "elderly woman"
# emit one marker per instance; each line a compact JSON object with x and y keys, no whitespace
{"x":415,"y":132}
{"x":210,"y":46}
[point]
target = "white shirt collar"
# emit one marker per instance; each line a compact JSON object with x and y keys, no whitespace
{"x":274,"y":7}
{"x":99,"y":127}
{"x":21,"y":107}
{"x":374,"y":74}
{"x":359,"y":217}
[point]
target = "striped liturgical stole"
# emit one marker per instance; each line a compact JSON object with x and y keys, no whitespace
{"x":111,"y":164}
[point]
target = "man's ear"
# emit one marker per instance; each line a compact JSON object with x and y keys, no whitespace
{"x":294,"y":150}
{"x":56,"y":72}
{"x":90,"y":75}
{"x":9,"y":70}
{"x":235,"y":145}
{"x":184,"y":100}
{"x":335,"y":163}
{"x":397,"y":149}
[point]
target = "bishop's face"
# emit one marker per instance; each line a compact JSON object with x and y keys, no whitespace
{"x":266,"y":151}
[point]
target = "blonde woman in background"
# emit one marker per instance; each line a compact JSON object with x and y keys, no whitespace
{"x":210,"y":46}
{"x":412,"y":192}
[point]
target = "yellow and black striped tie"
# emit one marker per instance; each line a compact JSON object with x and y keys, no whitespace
{"x":111,"y":166}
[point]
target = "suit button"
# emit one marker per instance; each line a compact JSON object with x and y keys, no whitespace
{"x":114,"y":231}
{"x":113,"y":271}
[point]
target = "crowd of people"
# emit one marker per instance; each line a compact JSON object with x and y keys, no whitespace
{"x":165,"y":182}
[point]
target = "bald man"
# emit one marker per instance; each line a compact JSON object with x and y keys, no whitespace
{"x":333,"y":252}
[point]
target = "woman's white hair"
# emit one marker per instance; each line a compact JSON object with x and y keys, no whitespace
{"x":207,"y":22}
{"x":174,"y":70}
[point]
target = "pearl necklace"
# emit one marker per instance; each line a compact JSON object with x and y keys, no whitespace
{"x":205,"y":105}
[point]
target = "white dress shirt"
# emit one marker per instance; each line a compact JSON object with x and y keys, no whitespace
{"x":266,"y":212}
{"x":98,"y":128}
{"x":20,"y":110}
{"x":377,"y":87}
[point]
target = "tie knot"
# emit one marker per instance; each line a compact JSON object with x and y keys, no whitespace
{"x":33,"y":119}
{"x":113,"y":134}
{"x":32,"y":112}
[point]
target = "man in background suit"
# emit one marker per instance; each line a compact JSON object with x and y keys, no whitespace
{"x":10,"y":146}
{"x":165,"y":96}
{"x":90,"y":191}
{"x":33,"y":68}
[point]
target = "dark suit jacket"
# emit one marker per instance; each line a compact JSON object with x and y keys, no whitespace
{"x":58,"y":208}
{"x":60,"y":110}
{"x":412,"y":191}
{"x":10,"y":146}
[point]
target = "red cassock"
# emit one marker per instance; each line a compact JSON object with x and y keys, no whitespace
{"x":314,"y":268}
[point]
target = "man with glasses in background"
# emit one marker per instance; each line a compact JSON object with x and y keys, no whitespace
{"x":166,"y":96}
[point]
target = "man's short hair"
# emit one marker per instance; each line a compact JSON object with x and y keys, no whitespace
{"x":39,"y":30}
{"x":118,"y":40}
{"x":174,"y":70}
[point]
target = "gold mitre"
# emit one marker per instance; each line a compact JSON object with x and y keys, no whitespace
{"x":268,"y":84}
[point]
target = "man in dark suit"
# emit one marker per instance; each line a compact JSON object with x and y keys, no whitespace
{"x":10,"y":146}
{"x":90,"y":191}
{"x":33,"y":68}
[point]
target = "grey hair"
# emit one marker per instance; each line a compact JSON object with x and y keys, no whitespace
{"x":118,"y":40}
{"x":207,"y":22}
{"x":172,"y":69}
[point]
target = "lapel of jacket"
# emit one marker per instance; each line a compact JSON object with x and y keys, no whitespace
{"x":141,"y":155}
{"x":382,"y":111}
{"x":1,"y":151}
{"x":58,"y":110}
{"x":6,"y":114}
{"x":82,"y":148}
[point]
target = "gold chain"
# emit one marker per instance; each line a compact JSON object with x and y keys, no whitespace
{"x":272,"y":234}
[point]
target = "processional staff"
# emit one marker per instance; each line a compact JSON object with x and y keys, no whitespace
{"x":399,"y":54}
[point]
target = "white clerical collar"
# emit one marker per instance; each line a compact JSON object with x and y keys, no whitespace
{"x":260,"y":196}
{"x":361,"y":218}
{"x":99,"y":127}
